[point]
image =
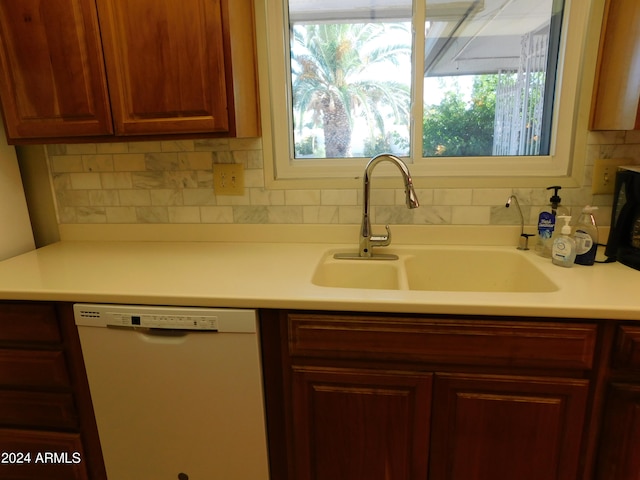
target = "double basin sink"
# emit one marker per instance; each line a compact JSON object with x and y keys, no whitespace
{"x":437,"y":268}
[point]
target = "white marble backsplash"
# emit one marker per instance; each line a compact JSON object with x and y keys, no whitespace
{"x":171,"y":182}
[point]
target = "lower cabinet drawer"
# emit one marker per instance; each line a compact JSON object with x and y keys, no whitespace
{"x":33,"y":368}
{"x":34,"y":455}
{"x":451,"y":341}
{"x":29,"y":323}
{"x":38,"y":409}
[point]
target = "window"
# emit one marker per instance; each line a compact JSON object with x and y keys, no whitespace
{"x":456,"y":87}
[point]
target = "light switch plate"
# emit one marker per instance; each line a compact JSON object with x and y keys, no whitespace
{"x":604,"y":174}
{"x":228,"y":179}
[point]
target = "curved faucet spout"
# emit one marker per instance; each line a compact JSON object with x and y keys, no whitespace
{"x":367,"y":239}
{"x":524,"y":237}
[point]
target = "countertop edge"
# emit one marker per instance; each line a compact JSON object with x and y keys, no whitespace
{"x":278,"y":276}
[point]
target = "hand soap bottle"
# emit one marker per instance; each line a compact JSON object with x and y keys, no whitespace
{"x":547,"y":222}
{"x":563,"y":252}
{"x":586,"y":237}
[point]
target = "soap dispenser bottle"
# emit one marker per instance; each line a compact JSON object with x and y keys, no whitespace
{"x":547,"y":222}
{"x":586,"y":237}
{"x":563,"y":252}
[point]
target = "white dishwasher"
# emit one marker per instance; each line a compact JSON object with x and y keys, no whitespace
{"x":177,"y":392}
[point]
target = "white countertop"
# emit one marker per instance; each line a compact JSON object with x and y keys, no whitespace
{"x":278,"y":275}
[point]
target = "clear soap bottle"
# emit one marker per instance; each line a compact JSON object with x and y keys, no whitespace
{"x":586,"y":237}
{"x":547,"y":222}
{"x":563,"y":252}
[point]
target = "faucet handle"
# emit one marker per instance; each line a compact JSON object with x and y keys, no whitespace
{"x":381,"y":240}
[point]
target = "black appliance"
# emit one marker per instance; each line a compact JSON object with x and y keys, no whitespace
{"x":624,"y":236}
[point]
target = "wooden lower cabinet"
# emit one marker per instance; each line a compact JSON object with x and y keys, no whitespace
{"x":506,"y":427}
{"x":391,"y":397}
{"x":619,"y":443}
{"x":352,"y":424}
{"x":47,"y":426}
{"x":619,"y":457}
{"x":33,"y":454}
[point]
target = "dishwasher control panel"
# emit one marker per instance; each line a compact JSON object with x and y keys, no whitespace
{"x":175,"y":318}
{"x":182,"y":322}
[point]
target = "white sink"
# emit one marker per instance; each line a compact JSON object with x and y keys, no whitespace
{"x":438,"y":268}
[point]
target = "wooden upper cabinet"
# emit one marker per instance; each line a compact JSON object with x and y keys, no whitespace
{"x":89,"y":70}
{"x":167,"y":62}
{"x":52,"y":81}
{"x":616,"y":98}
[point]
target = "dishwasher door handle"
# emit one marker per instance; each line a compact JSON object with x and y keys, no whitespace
{"x":159,"y":332}
{"x":160,"y":336}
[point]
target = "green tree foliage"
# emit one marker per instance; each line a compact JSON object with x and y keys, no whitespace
{"x":457,"y":127}
{"x":333,"y":77}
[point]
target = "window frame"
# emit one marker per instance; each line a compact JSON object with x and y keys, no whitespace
{"x":581,"y":24}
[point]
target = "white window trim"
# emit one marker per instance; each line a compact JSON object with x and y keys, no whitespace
{"x":576,"y":71}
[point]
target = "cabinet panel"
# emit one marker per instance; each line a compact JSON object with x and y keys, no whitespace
{"x":52,"y":80}
{"x":354,"y":424}
{"x":627,"y":348}
{"x":478,"y":342}
{"x":33,"y":368}
{"x":68,"y":463}
{"x":167,"y":65}
{"x":501,"y":428}
{"x":29,"y":323}
{"x":617,"y":90}
{"x":618,"y":458}
{"x":37,"y":409}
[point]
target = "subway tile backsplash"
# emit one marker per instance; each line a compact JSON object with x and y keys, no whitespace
{"x":172,"y":182}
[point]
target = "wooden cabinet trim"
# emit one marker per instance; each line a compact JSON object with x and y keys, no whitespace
{"x":455,"y":341}
{"x":94,"y":462}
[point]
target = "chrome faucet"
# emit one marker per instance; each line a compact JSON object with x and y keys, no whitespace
{"x":367,"y":239}
{"x":524,"y":237}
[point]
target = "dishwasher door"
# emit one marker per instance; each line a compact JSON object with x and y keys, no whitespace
{"x":174,"y":399}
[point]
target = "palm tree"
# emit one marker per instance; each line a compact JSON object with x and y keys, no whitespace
{"x":335,"y":75}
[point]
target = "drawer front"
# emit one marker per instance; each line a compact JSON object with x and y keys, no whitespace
{"x":29,"y":322}
{"x":627,"y":349}
{"x":33,"y":368}
{"x":37,"y":409}
{"x":31,"y":455}
{"x":443,"y":341}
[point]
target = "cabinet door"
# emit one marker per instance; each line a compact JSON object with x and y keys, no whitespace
{"x":351,"y":424}
{"x":166,"y":65}
{"x":503,"y":428}
{"x":616,"y":96}
{"x":620,"y":441}
{"x":52,"y":81}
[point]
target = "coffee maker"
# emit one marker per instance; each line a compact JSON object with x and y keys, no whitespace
{"x":624,"y":236}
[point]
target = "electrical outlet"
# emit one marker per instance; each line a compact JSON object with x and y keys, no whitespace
{"x":604,"y":174}
{"x":228,"y":179}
